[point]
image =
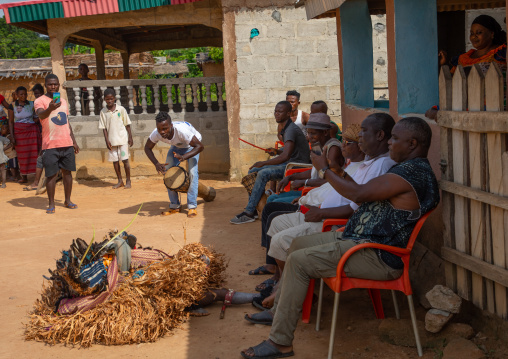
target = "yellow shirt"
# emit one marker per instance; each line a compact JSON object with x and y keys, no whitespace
{"x":114,"y":122}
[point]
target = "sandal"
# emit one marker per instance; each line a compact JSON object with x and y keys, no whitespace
{"x":228,"y":300}
{"x":71,"y":205}
{"x":265,"y":317}
{"x":265,"y":350}
{"x":171,"y":211}
{"x":261,"y":270}
{"x":192,"y":213}
{"x":50,"y":210}
{"x":29,"y":188}
{"x":267,"y":283}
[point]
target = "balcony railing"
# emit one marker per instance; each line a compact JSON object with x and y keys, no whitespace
{"x":150,"y":96}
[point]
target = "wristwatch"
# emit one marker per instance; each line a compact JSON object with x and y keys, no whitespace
{"x":321,"y":172}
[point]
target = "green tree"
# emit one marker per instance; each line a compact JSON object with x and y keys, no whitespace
{"x":17,"y":43}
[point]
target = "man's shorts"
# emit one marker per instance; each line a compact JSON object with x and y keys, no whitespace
{"x":13,"y":163}
{"x":39,"y":162}
{"x":119,"y":153}
{"x":55,"y":158}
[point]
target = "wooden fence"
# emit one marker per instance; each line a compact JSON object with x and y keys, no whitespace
{"x":474,"y":161}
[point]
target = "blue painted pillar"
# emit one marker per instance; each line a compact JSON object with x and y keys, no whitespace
{"x":357,"y":59}
{"x":416,"y":55}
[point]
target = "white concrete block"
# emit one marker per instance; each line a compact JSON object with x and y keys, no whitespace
{"x":84,"y":128}
{"x":266,"y":111}
{"x":281,"y":62}
{"x":248,"y":111}
{"x":332,"y":27}
{"x":95,"y":142}
{"x":328,"y":46}
{"x":299,"y":46}
{"x":265,"y":47}
{"x":243,"y":48}
{"x":333,"y":61}
{"x":312,"y":28}
{"x":244,"y":81}
{"x":281,"y":30}
{"x":253,"y":126}
{"x":292,"y":14}
{"x":311,"y":62}
{"x":330,"y":77}
{"x":299,"y":78}
{"x":253,"y":96}
{"x":268,"y":79}
{"x":251,"y":64}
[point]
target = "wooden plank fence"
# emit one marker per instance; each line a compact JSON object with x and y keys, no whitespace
{"x":474,"y":161}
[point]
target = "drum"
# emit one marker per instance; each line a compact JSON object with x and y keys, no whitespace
{"x":248,"y":182}
{"x":177,"y":179}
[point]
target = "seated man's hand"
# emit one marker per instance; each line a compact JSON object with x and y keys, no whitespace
{"x":297,"y":184}
{"x":432,"y":113}
{"x":313,"y":215}
{"x":295,"y":201}
{"x":283,"y":183}
{"x":257,"y":165}
{"x":271,"y":151}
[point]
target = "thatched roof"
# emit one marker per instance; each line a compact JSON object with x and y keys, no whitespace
{"x":40,"y":67}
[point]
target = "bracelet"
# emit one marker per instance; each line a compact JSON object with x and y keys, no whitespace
{"x":305,"y":185}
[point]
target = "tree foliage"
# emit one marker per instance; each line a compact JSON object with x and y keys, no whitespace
{"x":17,"y":43}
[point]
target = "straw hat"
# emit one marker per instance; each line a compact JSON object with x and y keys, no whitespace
{"x":352,"y":132}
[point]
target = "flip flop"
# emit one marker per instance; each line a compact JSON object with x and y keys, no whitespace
{"x":265,"y":350}
{"x":257,"y":302}
{"x":29,"y":188}
{"x":261,"y":270}
{"x":264,"y":318}
{"x":71,"y":205}
{"x":265,"y":284}
{"x":50,"y":210}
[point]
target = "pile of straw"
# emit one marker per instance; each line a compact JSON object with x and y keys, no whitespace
{"x":139,"y":310}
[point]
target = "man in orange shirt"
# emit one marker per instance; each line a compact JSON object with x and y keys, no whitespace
{"x":58,"y":144}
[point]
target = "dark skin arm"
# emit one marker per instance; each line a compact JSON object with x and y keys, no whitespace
{"x":316,"y":214}
{"x":149,"y":145}
{"x":106,"y":137}
{"x":11,"y":125}
{"x":74,"y":144}
{"x":386,"y":187}
{"x":131,"y":142}
{"x":43,"y":114}
{"x":198,"y":147}
{"x":289,"y":146}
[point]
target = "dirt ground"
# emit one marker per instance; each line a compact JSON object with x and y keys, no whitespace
{"x":31,"y":240}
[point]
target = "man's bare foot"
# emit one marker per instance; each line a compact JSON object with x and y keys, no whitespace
{"x":264,"y":348}
{"x":118,"y":185}
{"x":22,"y":180}
{"x":3,"y":185}
{"x":127,"y":184}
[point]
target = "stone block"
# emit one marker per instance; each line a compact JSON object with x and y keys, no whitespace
{"x":244,"y":81}
{"x":85,"y":128}
{"x":281,"y":30}
{"x":248,"y":112}
{"x":267,"y":140}
{"x":95,"y":143}
{"x":266,"y":111}
{"x":253,"y":126}
{"x":269,"y":79}
{"x":310,"y":94}
{"x":282,"y":63}
{"x":312,"y":28}
{"x":80,"y":141}
{"x":208,"y":140}
{"x":441,"y":297}
{"x":328,"y":46}
{"x":277,"y":94}
{"x":243,"y":16}
{"x":462,"y":348}
{"x":334,"y":91}
{"x":212,"y":124}
{"x":137,"y":142}
{"x":436,"y":319}
{"x":333,"y":61}
{"x":251,"y":64}
{"x":265,"y":47}
{"x":330,"y":77}
{"x":299,"y":46}
{"x":253,"y":96}
{"x":292,"y":14}
{"x":331,"y":27}
{"x":91,"y":156}
{"x":242,"y":31}
{"x":142,"y":127}
{"x":243,"y":48}
{"x":299,"y":78}
{"x":311,"y":62}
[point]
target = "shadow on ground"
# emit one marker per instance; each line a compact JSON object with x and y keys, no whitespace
{"x":36,"y":202}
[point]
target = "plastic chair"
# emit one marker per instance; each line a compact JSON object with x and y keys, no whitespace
{"x":341,"y":283}
{"x":290,"y":172}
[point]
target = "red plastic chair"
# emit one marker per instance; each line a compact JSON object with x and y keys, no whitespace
{"x":290,"y":172}
{"x":341,"y":283}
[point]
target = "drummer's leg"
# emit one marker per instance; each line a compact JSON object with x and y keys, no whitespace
{"x":192,"y":193}
{"x":171,"y":161}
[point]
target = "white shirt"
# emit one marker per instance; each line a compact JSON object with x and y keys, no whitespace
{"x":369,"y":169}
{"x":316,"y":196}
{"x":183,"y":134}
{"x":114,"y":122}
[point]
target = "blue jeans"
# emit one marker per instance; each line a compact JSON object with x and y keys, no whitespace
{"x":284,"y":197}
{"x":265,"y":174}
{"x":192,"y":193}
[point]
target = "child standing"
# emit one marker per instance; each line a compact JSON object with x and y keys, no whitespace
{"x":115,"y":123}
{"x":10,"y":152}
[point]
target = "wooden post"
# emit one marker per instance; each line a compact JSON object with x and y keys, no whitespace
{"x":445,"y":89}
{"x":100,"y":62}
{"x":56,"y":46}
{"x":496,"y":147}
{"x":461,"y":213}
{"x":476,"y":100}
{"x":125,"y":63}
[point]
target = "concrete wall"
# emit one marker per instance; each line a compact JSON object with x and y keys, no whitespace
{"x":291,"y":54}
{"x":92,"y":160}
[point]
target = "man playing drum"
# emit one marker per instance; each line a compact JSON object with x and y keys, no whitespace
{"x":185,"y":144}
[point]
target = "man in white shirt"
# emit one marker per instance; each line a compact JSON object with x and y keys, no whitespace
{"x":186,"y":145}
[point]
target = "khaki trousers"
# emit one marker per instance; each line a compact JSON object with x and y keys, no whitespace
{"x":312,"y":257}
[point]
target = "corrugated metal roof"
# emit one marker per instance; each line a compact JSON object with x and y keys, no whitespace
{"x":74,"y":8}
{"x":34,"y":10}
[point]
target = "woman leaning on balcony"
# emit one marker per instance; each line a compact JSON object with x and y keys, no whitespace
{"x":489,"y":41}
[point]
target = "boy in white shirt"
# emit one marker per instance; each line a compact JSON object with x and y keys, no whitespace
{"x":115,"y":123}
{"x":186,"y":145}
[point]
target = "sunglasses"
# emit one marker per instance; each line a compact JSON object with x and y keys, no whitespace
{"x":347,"y":143}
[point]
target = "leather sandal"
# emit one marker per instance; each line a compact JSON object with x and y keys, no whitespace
{"x":171,"y":211}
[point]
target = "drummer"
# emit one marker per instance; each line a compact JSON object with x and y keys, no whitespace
{"x":185,"y":144}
